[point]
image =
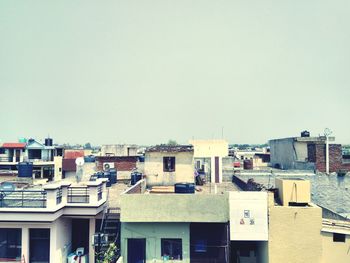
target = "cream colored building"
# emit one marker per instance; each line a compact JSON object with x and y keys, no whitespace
{"x":47,"y":224}
{"x":208,"y":156}
{"x":167,"y":165}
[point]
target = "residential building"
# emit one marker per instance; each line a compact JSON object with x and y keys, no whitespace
{"x":229,"y":225}
{"x":45,"y":224}
{"x":169,"y":164}
{"x":208,"y":157}
{"x":43,"y":156}
{"x":119,"y":150}
{"x":307,"y":153}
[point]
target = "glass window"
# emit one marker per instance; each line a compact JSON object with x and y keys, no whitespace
{"x":10,"y":243}
{"x":338,"y":237}
{"x":169,"y":164}
{"x":171,"y":248}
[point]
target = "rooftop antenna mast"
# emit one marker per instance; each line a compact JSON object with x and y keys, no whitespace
{"x":327,"y":133}
{"x":79,"y":173}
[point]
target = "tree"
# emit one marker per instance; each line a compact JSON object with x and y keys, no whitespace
{"x":87,"y":146}
{"x":172,"y":142}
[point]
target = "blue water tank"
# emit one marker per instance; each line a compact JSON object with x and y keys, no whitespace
{"x":90,"y":159}
{"x":135,"y":177}
{"x":25,"y":169}
{"x":184,"y":188}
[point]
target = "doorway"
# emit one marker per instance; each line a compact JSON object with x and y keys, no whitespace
{"x":136,"y":250}
{"x":80,"y":234}
{"x":39,"y":245}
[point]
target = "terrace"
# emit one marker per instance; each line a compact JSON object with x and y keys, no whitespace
{"x":209,"y":203}
{"x":54,"y":197}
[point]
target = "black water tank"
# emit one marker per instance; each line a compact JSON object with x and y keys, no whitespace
{"x":184,"y":188}
{"x":48,"y":142}
{"x":135,"y":177}
{"x":305,"y":134}
{"x":25,"y":169}
{"x":113,"y":175}
{"x":248,"y":164}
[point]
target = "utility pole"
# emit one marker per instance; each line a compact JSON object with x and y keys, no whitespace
{"x":327,"y":133}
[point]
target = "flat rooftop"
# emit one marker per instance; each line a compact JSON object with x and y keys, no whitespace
{"x":208,"y":188}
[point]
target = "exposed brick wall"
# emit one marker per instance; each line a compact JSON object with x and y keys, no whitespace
{"x":311,"y":152}
{"x":335,"y":158}
{"x":122,"y":163}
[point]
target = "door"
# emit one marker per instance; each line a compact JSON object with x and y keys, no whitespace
{"x":136,"y":250}
{"x":217,"y":171}
{"x":39,"y":245}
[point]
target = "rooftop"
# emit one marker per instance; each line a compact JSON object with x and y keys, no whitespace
{"x":170,"y":148}
{"x":14,"y":145}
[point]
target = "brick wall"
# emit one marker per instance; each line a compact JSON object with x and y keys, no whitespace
{"x":335,"y":157}
{"x":126,"y":163}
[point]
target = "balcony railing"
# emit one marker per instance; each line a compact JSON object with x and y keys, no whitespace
{"x":6,"y":159}
{"x":54,"y":196}
{"x":23,"y":199}
{"x":78,"y":195}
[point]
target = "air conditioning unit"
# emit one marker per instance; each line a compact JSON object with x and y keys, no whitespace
{"x":107,"y":166}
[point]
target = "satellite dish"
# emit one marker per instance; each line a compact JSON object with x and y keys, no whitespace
{"x":79,"y":161}
{"x":106,"y":166}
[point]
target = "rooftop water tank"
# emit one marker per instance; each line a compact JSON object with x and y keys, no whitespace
{"x":25,"y":169}
{"x":184,"y":188}
{"x":48,"y":142}
{"x":135,"y":177}
{"x":113,"y":177}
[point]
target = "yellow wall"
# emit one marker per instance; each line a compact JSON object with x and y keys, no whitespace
{"x":337,"y":252}
{"x":184,"y":168}
{"x":294,"y":234}
{"x":293,"y":191}
{"x":210,"y":148}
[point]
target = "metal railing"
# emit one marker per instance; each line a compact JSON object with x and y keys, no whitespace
{"x":23,"y":198}
{"x":59,"y":196}
{"x":99,"y":193}
{"x":6,"y":159}
{"x":78,"y":195}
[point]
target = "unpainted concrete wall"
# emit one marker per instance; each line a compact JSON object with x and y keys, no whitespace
{"x":174,"y":208}
{"x":184,"y":168}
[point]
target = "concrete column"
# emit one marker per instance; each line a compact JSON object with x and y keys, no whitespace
{"x":25,"y":244}
{"x":14,"y":156}
{"x":220,"y":169}
{"x":327,"y":155}
{"x":92,"y":224}
{"x":42,"y":172}
{"x":212,"y":169}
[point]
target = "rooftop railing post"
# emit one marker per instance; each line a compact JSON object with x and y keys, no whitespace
{"x":51,"y":195}
{"x":64,"y":187}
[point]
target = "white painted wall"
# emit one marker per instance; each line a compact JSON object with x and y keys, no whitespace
{"x":240,"y":222}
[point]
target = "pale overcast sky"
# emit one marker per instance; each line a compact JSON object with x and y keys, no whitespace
{"x":148,"y":71}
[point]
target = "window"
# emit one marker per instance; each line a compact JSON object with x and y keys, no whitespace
{"x":168,"y":164}
{"x":2,"y":150}
{"x":10,"y":243}
{"x":200,"y":246}
{"x":171,"y":248}
{"x":338,"y":237}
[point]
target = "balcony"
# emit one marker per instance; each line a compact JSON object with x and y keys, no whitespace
{"x":23,"y":199}
{"x":52,"y":197}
